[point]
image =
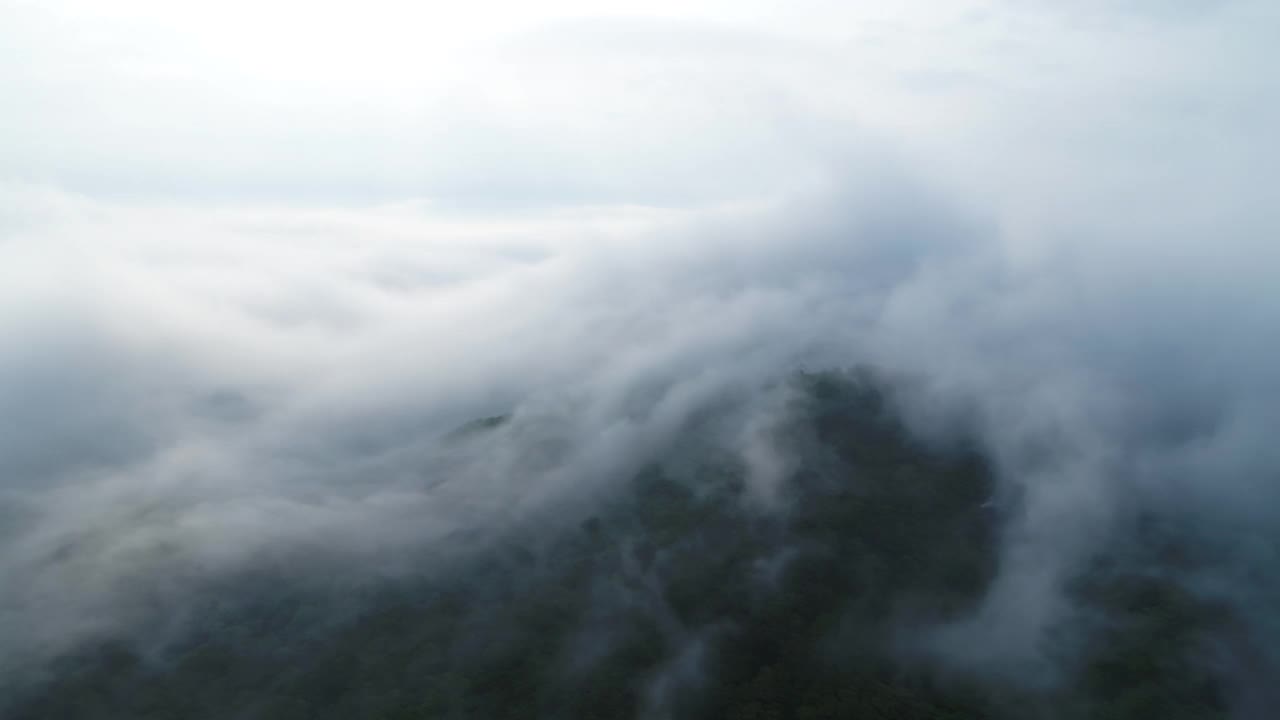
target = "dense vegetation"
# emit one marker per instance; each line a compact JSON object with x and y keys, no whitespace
{"x":676,"y":597}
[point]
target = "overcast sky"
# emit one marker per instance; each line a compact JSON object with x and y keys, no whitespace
{"x":508,"y":104}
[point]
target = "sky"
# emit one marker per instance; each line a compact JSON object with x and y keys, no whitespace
{"x":512,"y":105}
{"x":256,"y":256}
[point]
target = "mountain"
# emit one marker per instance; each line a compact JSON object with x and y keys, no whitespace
{"x":684,"y":593}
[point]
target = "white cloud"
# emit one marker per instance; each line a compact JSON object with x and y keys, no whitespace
{"x":257,"y":259}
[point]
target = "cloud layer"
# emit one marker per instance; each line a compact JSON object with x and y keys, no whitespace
{"x":219,"y":353}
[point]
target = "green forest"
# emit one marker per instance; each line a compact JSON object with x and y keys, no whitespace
{"x":677,"y":596}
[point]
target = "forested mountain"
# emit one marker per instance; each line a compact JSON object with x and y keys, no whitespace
{"x":684,"y":595}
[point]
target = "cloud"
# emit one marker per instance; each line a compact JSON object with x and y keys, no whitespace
{"x":201,"y":389}
{"x":1067,"y":251}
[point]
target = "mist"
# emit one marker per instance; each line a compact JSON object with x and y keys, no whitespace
{"x":279,"y":326}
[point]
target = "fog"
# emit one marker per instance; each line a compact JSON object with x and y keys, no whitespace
{"x":249,"y":297}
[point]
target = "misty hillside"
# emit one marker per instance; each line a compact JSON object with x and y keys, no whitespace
{"x":639,"y":360}
{"x":681,"y":594}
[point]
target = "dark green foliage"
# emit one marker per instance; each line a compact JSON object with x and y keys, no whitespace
{"x":1149,"y":659}
{"x":677,"y":597}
